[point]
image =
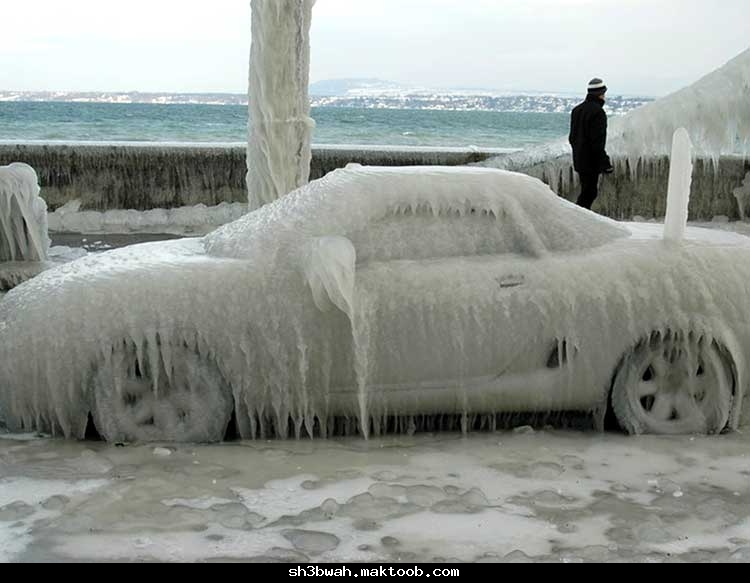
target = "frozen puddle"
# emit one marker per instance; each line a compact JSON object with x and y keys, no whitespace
{"x":560,"y":496}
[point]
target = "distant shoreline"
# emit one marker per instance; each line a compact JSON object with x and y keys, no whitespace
{"x":233,"y":145}
{"x":447,"y":102}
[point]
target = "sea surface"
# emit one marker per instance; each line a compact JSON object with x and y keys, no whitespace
{"x":107,"y":122}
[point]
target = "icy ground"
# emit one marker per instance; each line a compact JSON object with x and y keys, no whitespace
{"x":511,"y":496}
{"x":195,"y":220}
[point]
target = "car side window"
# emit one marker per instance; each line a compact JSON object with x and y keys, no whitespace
{"x":419,"y":234}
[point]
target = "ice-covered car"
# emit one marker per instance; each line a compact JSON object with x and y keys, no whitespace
{"x":379,"y":299}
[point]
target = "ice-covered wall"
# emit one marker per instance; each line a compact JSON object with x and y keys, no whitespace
{"x":278,"y":155}
{"x":640,"y":189}
{"x":329,"y":158}
{"x":23,"y":215}
{"x":142,"y":177}
{"x":134,"y":176}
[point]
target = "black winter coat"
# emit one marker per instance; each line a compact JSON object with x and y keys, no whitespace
{"x":588,"y":136}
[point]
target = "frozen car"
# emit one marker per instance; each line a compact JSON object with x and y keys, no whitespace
{"x":381,"y":299}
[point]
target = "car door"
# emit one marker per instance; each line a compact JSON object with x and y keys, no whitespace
{"x":445,"y":306}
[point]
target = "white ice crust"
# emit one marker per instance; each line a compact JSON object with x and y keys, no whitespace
{"x":279,"y":150}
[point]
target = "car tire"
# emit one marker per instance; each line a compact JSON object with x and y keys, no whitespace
{"x":136,"y":400}
{"x":674,"y":384}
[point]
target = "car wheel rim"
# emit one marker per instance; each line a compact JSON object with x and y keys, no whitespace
{"x":679,"y":386}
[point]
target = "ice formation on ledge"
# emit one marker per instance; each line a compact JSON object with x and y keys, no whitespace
{"x":279,"y":150}
{"x":23,"y":215}
{"x":715,"y":111}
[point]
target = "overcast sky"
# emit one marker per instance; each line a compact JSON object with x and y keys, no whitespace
{"x":647,"y":47}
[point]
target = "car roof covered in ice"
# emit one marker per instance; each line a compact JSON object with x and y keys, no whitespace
{"x":348,"y":200}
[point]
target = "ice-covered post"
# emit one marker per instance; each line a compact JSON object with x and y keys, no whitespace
{"x":680,"y":181}
{"x":23,"y":215}
{"x":278,"y":156}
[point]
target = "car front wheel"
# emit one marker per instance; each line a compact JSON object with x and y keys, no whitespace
{"x":142,"y":398}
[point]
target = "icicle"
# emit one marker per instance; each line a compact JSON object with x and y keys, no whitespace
{"x":166,"y":355}
{"x":742,"y":195}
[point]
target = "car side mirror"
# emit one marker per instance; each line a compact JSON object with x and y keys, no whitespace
{"x":330,"y":265}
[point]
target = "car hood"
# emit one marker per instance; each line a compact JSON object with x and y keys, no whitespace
{"x":693,"y":234}
{"x":123,"y":290}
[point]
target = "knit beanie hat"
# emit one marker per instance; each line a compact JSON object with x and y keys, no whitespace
{"x":597,"y":87}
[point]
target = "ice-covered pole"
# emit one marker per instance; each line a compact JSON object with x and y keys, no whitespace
{"x":280,"y":126}
{"x":680,"y":181}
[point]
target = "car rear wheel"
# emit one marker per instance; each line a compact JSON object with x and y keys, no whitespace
{"x":673,"y":384}
{"x":142,"y":399}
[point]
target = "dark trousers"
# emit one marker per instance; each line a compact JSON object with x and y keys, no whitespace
{"x":589,"y":189}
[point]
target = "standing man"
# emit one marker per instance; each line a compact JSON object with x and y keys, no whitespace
{"x":588,"y":136}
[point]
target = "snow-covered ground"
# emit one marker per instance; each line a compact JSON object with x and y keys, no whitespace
{"x":195,"y":220}
{"x":511,"y":496}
